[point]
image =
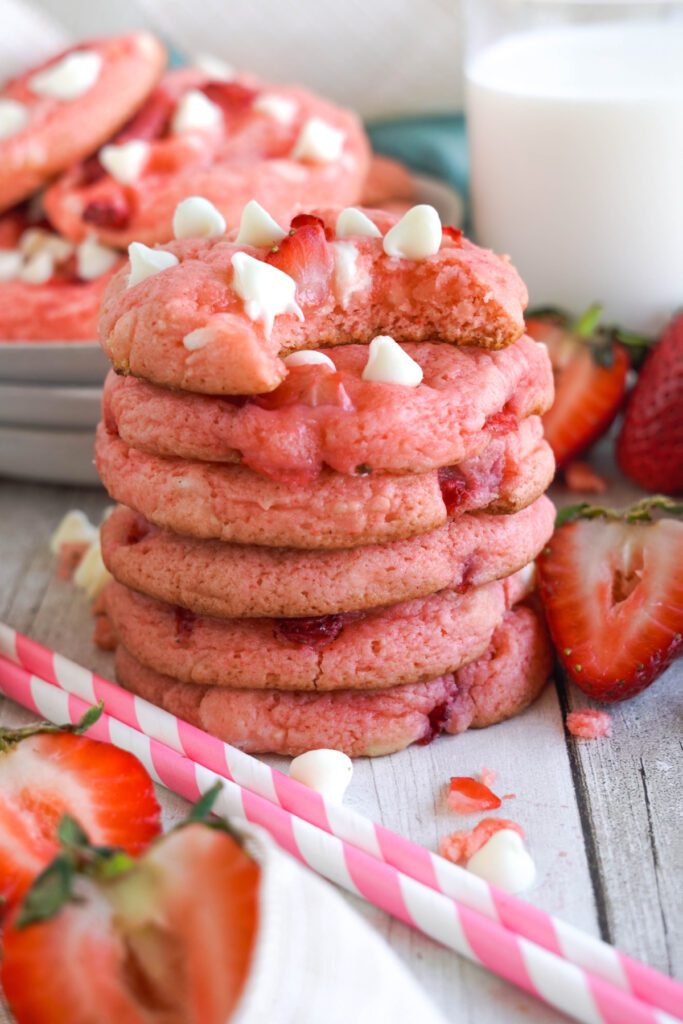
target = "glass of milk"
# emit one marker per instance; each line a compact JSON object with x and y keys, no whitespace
{"x":575,"y":123}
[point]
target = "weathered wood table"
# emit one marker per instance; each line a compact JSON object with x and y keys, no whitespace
{"x":603,"y":819}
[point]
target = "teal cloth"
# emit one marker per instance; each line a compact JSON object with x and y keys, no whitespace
{"x":432,"y":144}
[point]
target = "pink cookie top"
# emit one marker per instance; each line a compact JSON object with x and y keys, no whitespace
{"x":62,"y":308}
{"x":462,"y":295}
{"x":246,"y":154}
{"x":55,"y":131}
{"x":321,"y":417}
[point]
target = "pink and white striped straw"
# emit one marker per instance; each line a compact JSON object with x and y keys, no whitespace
{"x":562,"y":985}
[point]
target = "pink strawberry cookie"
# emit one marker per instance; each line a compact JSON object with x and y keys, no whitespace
{"x":234,"y":581}
{"x":509,"y":676}
{"x":403,"y":643}
{"x":56,"y":114}
{"x":231,"y":503}
{"x":50,"y":289}
{"x":214,"y":316}
{"x":326,"y":414}
{"x":228,"y":141}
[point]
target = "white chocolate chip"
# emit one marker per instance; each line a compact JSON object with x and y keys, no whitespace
{"x":416,"y":235}
{"x":37,"y":240}
{"x":10,"y":264}
{"x":125,"y":162}
{"x":349,"y":278}
{"x":195,"y":112}
{"x":257,"y":227}
{"x":196,"y":217}
{"x":68,"y":78}
{"x":278,"y":108}
{"x":318,"y":142}
{"x":388,"y":362}
{"x":13,"y":117}
{"x":354,"y":222}
{"x":214,"y":68}
{"x":93,"y":259}
{"x":504,"y":861}
{"x":308,"y":357}
{"x":326,"y":771}
{"x":92,"y":574}
{"x":198,"y":338}
{"x":145,"y":261}
{"x":38,"y":269}
{"x":73,"y":528}
{"x":266,"y":291}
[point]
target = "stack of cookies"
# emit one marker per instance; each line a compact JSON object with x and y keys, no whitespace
{"x":325,"y":441}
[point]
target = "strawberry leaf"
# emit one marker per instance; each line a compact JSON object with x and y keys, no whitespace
{"x":10,"y":737}
{"x":52,"y":889}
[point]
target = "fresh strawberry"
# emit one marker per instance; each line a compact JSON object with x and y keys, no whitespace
{"x":650,"y":446}
{"x":306,"y":256}
{"x":45,"y":772}
{"x":467,"y":795}
{"x":612,"y":587}
{"x":590,"y":366}
{"x":166,"y":938}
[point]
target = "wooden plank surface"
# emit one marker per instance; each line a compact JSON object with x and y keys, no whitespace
{"x":603,"y":819}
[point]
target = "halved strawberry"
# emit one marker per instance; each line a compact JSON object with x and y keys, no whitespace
{"x":650,"y":445}
{"x":306,"y":256}
{"x":590,"y":366}
{"x":167,"y":938}
{"x":467,"y":795}
{"x":612,"y":588}
{"x":46,"y":772}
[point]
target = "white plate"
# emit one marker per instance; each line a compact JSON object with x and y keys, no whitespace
{"x":52,"y":456}
{"x":52,"y":362}
{"x":41,"y":405}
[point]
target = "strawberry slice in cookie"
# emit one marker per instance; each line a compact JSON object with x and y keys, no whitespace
{"x":217,"y":314}
{"x":227,"y":141}
{"x":57,"y":114}
{"x":612,"y":587}
{"x":50,"y":288}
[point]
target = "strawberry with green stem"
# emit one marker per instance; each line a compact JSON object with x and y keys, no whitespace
{"x":591,"y":364}
{"x":47,"y":771}
{"x":163,"y":939}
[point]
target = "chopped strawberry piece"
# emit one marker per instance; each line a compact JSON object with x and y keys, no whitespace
{"x":590,"y":385}
{"x":316,"y":631}
{"x":44,"y":775}
{"x":113,"y":213}
{"x":13,"y":223}
{"x":454,"y":234}
{"x":501,"y":423}
{"x":589,"y":724}
{"x":467,"y":796}
{"x":453,"y":488}
{"x":458,"y":847}
{"x":612,"y":589}
{"x":233,"y":99}
{"x":581,"y":477}
{"x":650,"y":446}
{"x":151,"y":121}
{"x":437,"y":719}
{"x":313,"y":385}
{"x":306,"y":256}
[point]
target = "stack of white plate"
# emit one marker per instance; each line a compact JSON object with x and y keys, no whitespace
{"x":49,"y":407}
